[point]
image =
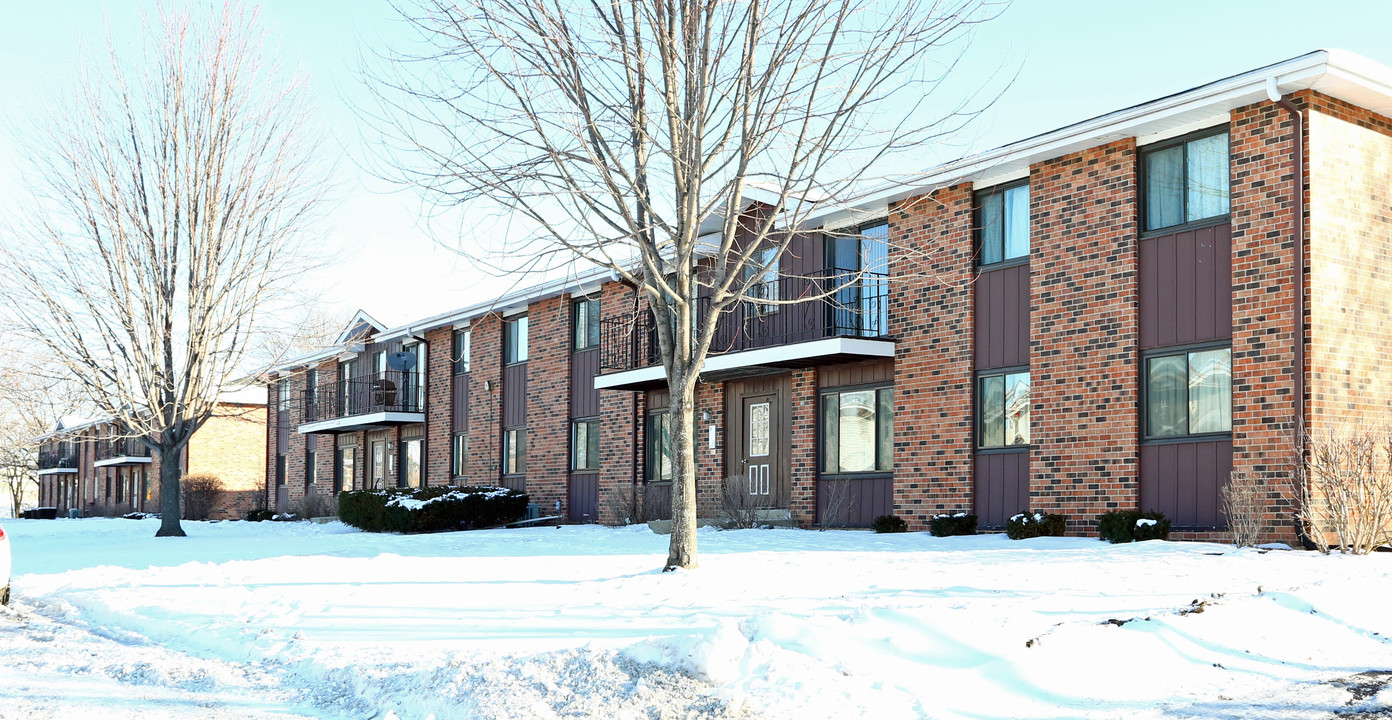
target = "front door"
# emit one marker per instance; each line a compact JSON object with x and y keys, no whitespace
{"x":761,"y":450}
{"x":379,"y":464}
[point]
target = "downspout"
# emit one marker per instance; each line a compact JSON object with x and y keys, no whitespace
{"x":1298,"y":266}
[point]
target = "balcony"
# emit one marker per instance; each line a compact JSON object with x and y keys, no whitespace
{"x":121,"y":451}
{"x":846,"y":317}
{"x":381,"y":399}
{"x":58,"y":461}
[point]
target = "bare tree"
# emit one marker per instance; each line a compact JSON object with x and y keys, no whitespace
{"x":634,"y":136}
{"x":1342,"y":488}
{"x":31,"y":404}
{"x":169,"y":195}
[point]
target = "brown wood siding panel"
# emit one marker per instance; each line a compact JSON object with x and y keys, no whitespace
{"x":584,"y":398}
{"x":515,"y":395}
{"x":868,"y":372}
{"x":1186,"y":287}
{"x":583,"y":505}
{"x":513,"y":482}
{"x":459,"y":404}
{"x":657,"y":501}
{"x":1002,"y":317}
{"x":1183,"y":480}
{"x":866,"y":499}
{"x":1001,"y":487}
{"x":659,"y":399}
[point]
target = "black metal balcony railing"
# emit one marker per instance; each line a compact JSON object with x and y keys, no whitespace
{"x":837,"y":304}
{"x":63,"y":456}
{"x":121,"y":447}
{"x":389,"y":391}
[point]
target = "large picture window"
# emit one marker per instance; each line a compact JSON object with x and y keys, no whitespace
{"x":857,"y":431}
{"x":585,"y":323}
{"x":1186,"y":181}
{"x":1188,"y":393}
{"x":658,"y":467}
{"x":584,"y":445}
{"x":1003,"y":410}
{"x":1003,"y":224}
{"x":515,"y":341}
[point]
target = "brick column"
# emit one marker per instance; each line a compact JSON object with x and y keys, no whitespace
{"x":548,"y":403}
{"x":485,"y":392}
{"x":1084,"y":337}
{"x":930,"y":312}
{"x":803,"y":452}
{"x":439,"y":405}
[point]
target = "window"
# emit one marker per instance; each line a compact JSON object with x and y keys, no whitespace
{"x":1003,"y":410}
{"x":312,"y":387}
{"x":658,"y":467}
{"x":310,"y":471}
{"x":379,"y":363}
{"x":1188,"y":393}
{"x":345,"y":385}
{"x":515,"y":341}
{"x":584,"y":445}
{"x":514,"y":451}
{"x":1186,"y":181}
{"x":343,"y":478}
{"x":765,"y":285}
{"x":585,"y":323}
{"x":410,"y":465}
{"x":858,"y":431}
{"x":283,"y":396}
{"x":459,"y":455}
{"x":859,"y":264}
{"x":460,"y":359}
{"x":1003,"y":224}
{"x":412,"y":385}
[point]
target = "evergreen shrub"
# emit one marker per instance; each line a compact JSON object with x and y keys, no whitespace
{"x":1123,"y":526}
{"x":889,"y":524}
{"x":949,"y":525}
{"x":1035,"y":524}
{"x":406,"y":510}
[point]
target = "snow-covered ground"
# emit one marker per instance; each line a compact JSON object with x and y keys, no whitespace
{"x":303,"y":620}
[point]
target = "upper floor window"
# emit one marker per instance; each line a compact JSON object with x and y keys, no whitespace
{"x":762,"y":273}
{"x":283,"y":395}
{"x":585,"y":323}
{"x":460,"y":356}
{"x":1188,"y":393}
{"x":379,"y":363}
{"x":312,"y":386}
{"x":1003,"y":410}
{"x":1003,"y":224}
{"x":1186,"y":181}
{"x":859,"y":265}
{"x":858,"y":431}
{"x":515,"y":340}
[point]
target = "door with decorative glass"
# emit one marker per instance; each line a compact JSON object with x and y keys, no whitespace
{"x":761,"y":451}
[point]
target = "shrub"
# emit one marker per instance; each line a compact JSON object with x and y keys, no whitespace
{"x":889,"y":524}
{"x":1342,"y":486}
{"x":259,"y":515}
{"x":949,"y":525}
{"x":1242,"y":498}
{"x":1035,"y":524}
{"x":1123,"y":526}
{"x":199,"y":493}
{"x":739,"y":508}
{"x":407,"y":510}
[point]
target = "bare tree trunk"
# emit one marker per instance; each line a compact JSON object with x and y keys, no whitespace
{"x":170,"y":472}
{"x":681,"y":550}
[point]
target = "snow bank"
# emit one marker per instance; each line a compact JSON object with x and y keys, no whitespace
{"x":579,"y":621}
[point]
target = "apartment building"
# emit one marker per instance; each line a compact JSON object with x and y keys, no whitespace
{"x":1116,"y":314}
{"x":93,"y":467}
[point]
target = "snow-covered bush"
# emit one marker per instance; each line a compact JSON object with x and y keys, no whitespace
{"x":1035,"y":524}
{"x":955,"y":524}
{"x":426,"y":509}
{"x":889,"y":524}
{"x":199,"y":492}
{"x":1123,"y":526}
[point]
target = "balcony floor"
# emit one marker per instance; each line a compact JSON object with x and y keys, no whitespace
{"x":824,"y":351}
{"x":367,"y":421}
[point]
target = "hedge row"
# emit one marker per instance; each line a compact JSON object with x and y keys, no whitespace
{"x":949,"y":525}
{"x":406,"y":510}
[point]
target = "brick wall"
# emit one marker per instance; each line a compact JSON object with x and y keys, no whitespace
{"x":803,"y":450}
{"x":1264,"y":327}
{"x":931,"y":314}
{"x":1349,"y":290}
{"x":548,"y":403}
{"x":710,"y":464}
{"x":1084,"y":335}
{"x":229,"y":446}
{"x":485,"y":392}
{"x":439,"y":383}
{"x":618,"y":442}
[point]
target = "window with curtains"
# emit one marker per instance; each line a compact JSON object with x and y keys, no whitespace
{"x":459,"y":454}
{"x":312,"y":387}
{"x":410,"y":466}
{"x":585,"y":323}
{"x":1003,"y":224}
{"x":857,"y":431}
{"x":1186,"y":180}
{"x":460,"y":352}
{"x":345,"y":386}
{"x":658,"y":467}
{"x":1188,"y":393}
{"x":762,"y":269}
{"x":584,"y":445}
{"x":1003,"y":409}
{"x":283,"y":396}
{"x":859,"y":266}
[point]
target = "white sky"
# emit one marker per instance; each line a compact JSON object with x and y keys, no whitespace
{"x":1075,"y":59}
